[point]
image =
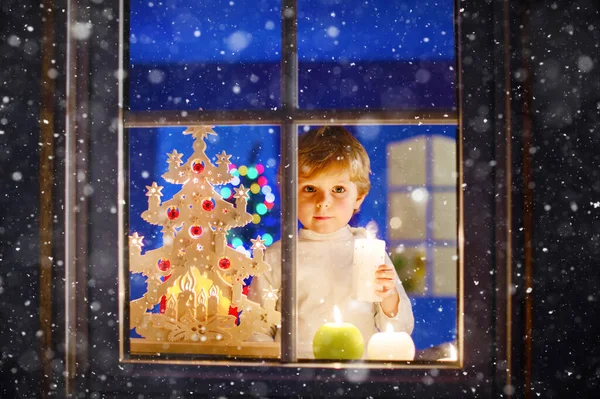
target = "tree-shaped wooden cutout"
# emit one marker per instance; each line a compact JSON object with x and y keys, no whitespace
{"x":195,"y":273}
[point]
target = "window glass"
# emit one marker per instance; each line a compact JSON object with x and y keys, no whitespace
{"x":414,"y":216}
{"x":187,"y":55}
{"x":376,"y":54}
{"x":203,"y":208}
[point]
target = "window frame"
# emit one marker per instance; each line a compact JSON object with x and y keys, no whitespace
{"x":290,"y":117}
{"x":497,"y":354}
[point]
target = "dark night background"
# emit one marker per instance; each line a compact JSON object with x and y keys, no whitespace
{"x":554,"y":60}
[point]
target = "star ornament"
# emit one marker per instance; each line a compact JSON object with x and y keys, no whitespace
{"x":270,"y":293}
{"x":199,"y":131}
{"x":258,"y":243}
{"x":154,"y":190}
{"x":223,"y":158}
{"x":175,"y":157}
{"x":136,"y":240}
{"x":241,"y":192}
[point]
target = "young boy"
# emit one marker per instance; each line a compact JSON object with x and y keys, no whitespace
{"x":333,"y":181}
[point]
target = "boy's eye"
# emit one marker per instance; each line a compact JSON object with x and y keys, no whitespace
{"x":309,"y":189}
{"x":339,"y":189}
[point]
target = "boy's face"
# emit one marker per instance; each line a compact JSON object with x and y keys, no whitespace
{"x":326,"y":202}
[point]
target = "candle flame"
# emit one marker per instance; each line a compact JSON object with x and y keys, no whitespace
{"x":214,"y":291}
{"x":372,"y":229}
{"x":453,"y":353}
{"x":389,"y":328}
{"x":171,"y":302}
{"x":202,"y":297}
{"x":187,"y":282}
{"x":337,"y":315}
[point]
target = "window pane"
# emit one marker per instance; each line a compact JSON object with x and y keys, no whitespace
{"x":444,"y":215}
{"x":203,"y":207}
{"x":376,"y":54}
{"x":188,"y":55}
{"x":330,"y":271}
{"x":444,"y":161}
{"x":407,"y":213}
{"x":407,"y":162}
{"x":410,"y":264}
{"x":444,"y":269}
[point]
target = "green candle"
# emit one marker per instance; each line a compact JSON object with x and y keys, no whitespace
{"x":338,"y":341}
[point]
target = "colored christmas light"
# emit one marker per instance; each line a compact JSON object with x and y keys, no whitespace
{"x":226,"y":192}
{"x":252,"y":173}
{"x":268,"y":239}
{"x":261,"y":209}
{"x":237,"y":242}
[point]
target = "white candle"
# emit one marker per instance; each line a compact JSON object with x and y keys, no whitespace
{"x":186,"y":298}
{"x":369,"y":253}
{"x":201,"y":309}
{"x":213,"y":302}
{"x":391,"y":345}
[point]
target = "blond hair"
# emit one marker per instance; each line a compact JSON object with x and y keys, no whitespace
{"x":333,"y":148}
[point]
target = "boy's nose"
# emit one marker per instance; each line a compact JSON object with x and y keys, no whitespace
{"x":323,"y":202}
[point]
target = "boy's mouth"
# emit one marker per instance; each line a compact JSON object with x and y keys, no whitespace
{"x":322,"y":217}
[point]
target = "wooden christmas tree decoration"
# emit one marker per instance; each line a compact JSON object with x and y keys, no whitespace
{"x":198,"y":276}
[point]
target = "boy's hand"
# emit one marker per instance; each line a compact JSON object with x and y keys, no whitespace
{"x":385,"y":288}
{"x":384,"y":281}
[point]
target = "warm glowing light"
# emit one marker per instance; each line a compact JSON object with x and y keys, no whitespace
{"x":419,"y":194}
{"x":452,"y":356}
{"x":372,"y":229}
{"x":187,"y":282}
{"x":395,"y":222}
{"x":389,"y":328}
{"x":453,"y":353}
{"x":337,"y":315}
{"x":256,"y":219}
{"x":202,"y":297}
{"x":243,"y":170}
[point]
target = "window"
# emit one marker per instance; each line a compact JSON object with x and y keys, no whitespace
{"x":385,"y":71}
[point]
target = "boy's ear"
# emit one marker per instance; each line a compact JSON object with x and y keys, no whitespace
{"x":359,"y":202}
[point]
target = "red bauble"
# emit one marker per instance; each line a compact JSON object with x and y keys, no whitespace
{"x":208,"y":205}
{"x":195,"y":231}
{"x":224,"y":263}
{"x":172,"y":213}
{"x":164,"y":264}
{"x":198,"y":167}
